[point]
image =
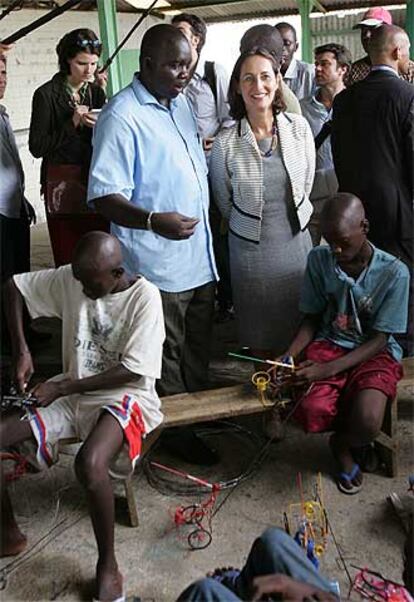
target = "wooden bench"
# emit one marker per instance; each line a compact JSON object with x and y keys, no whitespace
{"x":387,"y":440}
{"x":241,"y":400}
{"x":192,"y":408}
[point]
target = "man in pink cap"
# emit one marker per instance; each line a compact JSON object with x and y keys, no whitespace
{"x":373,"y":18}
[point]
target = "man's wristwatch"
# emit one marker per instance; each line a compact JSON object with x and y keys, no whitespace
{"x":149,"y":224}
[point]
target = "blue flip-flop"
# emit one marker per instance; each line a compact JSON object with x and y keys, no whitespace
{"x":348,"y":477}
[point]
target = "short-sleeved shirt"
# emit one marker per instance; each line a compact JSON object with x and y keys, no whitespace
{"x":353,"y":309}
{"x":122,"y":328}
{"x":152,"y":156}
{"x":325,"y":183}
{"x":300,"y":77}
{"x":211,"y":114}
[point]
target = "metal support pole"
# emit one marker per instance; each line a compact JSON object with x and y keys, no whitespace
{"x":305,"y":7}
{"x":109,"y":36}
{"x":409,"y":24}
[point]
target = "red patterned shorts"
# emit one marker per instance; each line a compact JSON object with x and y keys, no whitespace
{"x":321,"y":405}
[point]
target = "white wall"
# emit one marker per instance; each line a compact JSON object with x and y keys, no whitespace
{"x":33,"y":61}
{"x":223,"y":39}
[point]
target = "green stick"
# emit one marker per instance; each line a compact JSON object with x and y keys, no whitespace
{"x":258,"y":359}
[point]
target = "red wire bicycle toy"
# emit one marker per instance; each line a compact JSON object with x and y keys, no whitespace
{"x":196,"y":516}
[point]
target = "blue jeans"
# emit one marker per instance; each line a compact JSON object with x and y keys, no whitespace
{"x":274,"y":552}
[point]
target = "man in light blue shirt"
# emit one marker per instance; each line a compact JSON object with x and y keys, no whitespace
{"x":332,"y":64}
{"x":149,"y":177}
{"x":298,"y":75}
{"x":16,"y":213}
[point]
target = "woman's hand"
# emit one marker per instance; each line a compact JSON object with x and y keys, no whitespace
{"x":89,"y":119}
{"x":78,"y":113}
{"x":101,"y":79}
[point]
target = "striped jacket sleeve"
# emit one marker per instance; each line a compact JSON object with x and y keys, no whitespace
{"x":220,"y":178}
{"x":310,"y":159}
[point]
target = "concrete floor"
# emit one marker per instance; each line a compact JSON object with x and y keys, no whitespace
{"x":154,"y":559}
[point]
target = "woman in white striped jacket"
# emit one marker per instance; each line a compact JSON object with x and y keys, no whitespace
{"x":261,"y":173}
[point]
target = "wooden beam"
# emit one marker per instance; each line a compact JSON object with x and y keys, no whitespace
{"x":305,"y":7}
{"x":190,"y":6}
{"x":109,"y":36}
{"x":319,"y":6}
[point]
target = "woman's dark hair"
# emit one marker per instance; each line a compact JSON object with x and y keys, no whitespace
{"x":78,"y":40}
{"x":237,"y":106}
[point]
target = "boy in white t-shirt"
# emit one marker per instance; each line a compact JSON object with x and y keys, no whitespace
{"x":113,"y":332}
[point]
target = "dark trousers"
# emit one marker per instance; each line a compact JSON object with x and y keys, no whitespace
{"x":188,"y":320}
{"x":222,"y":256}
{"x":404,"y":250}
{"x":15,"y":257}
{"x":15,"y":246}
{"x":65,"y":231}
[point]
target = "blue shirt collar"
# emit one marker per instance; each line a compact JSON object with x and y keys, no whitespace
{"x":320,"y":104}
{"x":348,"y":279}
{"x":145,"y":97}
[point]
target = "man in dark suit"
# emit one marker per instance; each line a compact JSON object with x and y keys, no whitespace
{"x":373,"y":146}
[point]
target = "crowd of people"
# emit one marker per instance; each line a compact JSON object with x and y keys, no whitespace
{"x":214,"y":190}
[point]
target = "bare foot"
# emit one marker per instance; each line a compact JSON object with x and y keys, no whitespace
{"x":109,"y":582}
{"x":12,"y":542}
{"x":342,"y":453}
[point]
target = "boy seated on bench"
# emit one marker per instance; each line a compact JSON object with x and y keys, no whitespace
{"x":354,"y":297}
{"x":113,"y":332}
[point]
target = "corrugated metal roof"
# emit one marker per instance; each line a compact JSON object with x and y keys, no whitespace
{"x":236,"y":10}
{"x":218,"y":10}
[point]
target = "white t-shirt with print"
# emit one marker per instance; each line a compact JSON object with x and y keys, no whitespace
{"x":122,"y":328}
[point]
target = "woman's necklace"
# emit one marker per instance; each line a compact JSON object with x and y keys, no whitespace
{"x":77,"y":97}
{"x":273,"y":144}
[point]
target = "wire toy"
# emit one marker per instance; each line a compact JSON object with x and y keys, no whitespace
{"x":306,"y":521}
{"x":23,"y":401}
{"x":271,"y":382}
{"x":372,"y":585}
{"x":197,"y":517}
{"x":16,"y":401}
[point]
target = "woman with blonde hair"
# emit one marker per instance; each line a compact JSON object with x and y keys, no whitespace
{"x":262,"y":171}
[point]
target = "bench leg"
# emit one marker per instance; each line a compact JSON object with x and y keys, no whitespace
{"x":129,"y":492}
{"x":132,"y":506}
{"x":387,"y":440}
